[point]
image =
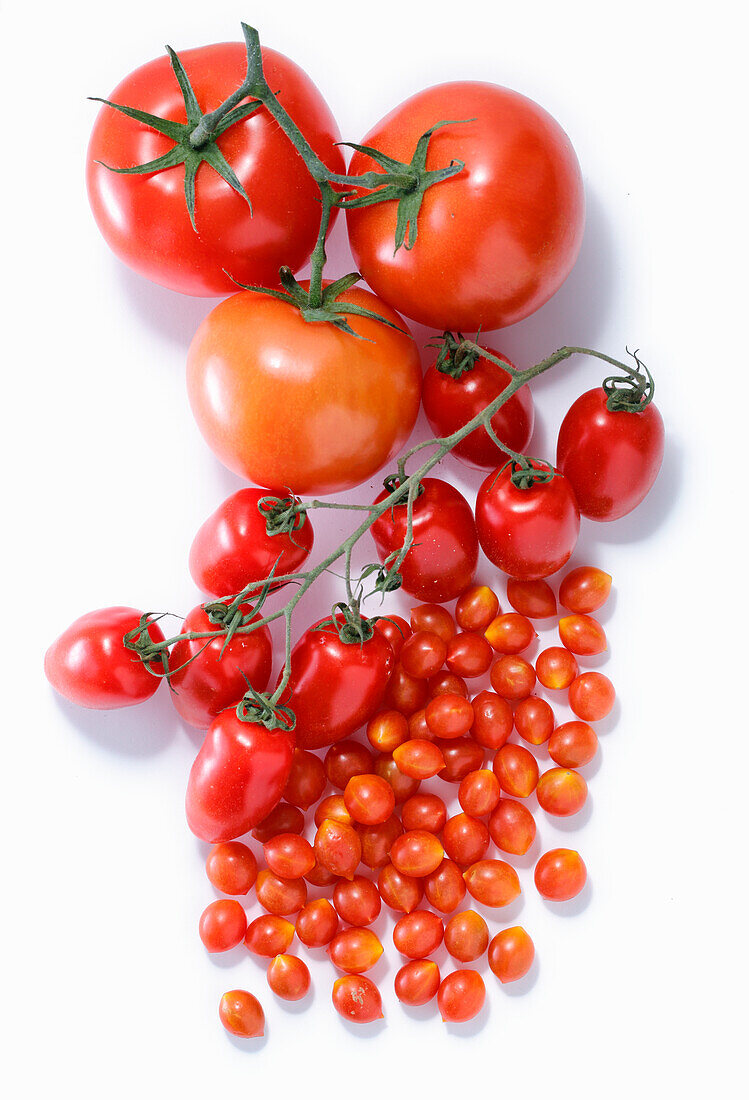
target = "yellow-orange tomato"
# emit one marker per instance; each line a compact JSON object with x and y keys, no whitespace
{"x":292,"y":405}
{"x":511,"y":954}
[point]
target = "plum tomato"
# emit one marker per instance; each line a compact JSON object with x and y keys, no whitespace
{"x":584,"y":590}
{"x":357,"y":998}
{"x":461,"y":996}
{"x":241,"y":1014}
{"x":222,"y":925}
{"x":289,"y":977}
{"x":511,"y":954}
{"x":560,"y":874}
{"x":417,"y":982}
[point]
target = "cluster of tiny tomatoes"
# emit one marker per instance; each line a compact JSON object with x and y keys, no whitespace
{"x":381,"y":836}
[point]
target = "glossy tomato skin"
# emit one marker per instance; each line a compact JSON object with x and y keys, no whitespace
{"x":528,"y":533}
{"x":233,"y":546}
{"x":212,"y":681}
{"x":237,"y":777}
{"x":294,"y":405}
{"x":449,"y":403}
{"x":144,"y":218}
{"x":508,"y":228}
{"x":335,"y":687}
{"x":89,"y":665}
{"x":610,"y":458}
{"x":443,"y":558}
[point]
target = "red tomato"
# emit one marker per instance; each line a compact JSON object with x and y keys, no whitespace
{"x":205,"y":681}
{"x":610,"y":458}
{"x":450,"y":402}
{"x":494,"y":242}
{"x":528,"y":533}
{"x":335,"y":686}
{"x":237,"y":777}
{"x":233,"y":546}
{"x":444,"y":554}
{"x":144,"y":217}
{"x":301,"y":406}
{"x":89,"y":665}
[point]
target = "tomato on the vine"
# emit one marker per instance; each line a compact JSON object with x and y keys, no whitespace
{"x":144,"y":217}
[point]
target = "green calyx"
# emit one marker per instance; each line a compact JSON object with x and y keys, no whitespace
{"x":404,"y":183}
{"x":282,"y":515}
{"x":631,"y":392}
{"x":456,"y":355}
{"x":254,"y":707}
{"x":349,"y":624}
{"x":527,"y":472}
{"x":185,"y":151}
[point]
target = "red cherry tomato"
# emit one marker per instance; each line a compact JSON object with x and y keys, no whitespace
{"x":418,"y":934}
{"x":289,"y":977}
{"x":512,"y":827}
{"x":335,"y":686}
{"x":424,"y":812}
{"x":492,"y":882}
{"x":445,"y":888}
{"x":419,"y":759}
{"x":465,"y":839}
{"x":237,"y":777}
{"x":442,"y":560}
{"x":357,"y":998}
{"x":476,"y":608}
{"x":231,"y":867}
{"x":280,"y":896}
{"x":492,"y":720}
{"x":534,"y":720}
{"x":269,"y":935}
{"x":512,"y":677}
{"x":591,"y":696}
{"x":400,"y":892}
{"x":462,"y":755}
{"x":355,"y":950}
{"x":377,"y":840}
{"x":347,"y":759}
{"x":511,"y":954}
{"x":611,"y":459}
{"x":423,"y":654}
{"x":144,"y":218}
{"x":556,"y":667}
{"x":369,"y":799}
{"x":241,"y":1014}
{"x":209,"y":676}
{"x":396,"y":630}
{"x":517,"y":770}
{"x":317,"y":923}
{"x":573,"y":744}
{"x":435,"y":619}
{"x":495,"y":241}
{"x":469,"y":655}
{"x":528,"y":533}
{"x":450,"y":402}
{"x":560,"y":874}
{"x":510,"y":633}
{"x":405,"y":693}
{"x":582,"y":635}
{"x":306,"y":782}
{"x":233,"y":546}
{"x":283,"y":818}
{"x":449,"y":715}
{"x":466,"y":936}
{"x":534,"y":599}
{"x":289,"y":855}
{"x":417,"y":982}
{"x":561,"y":792}
{"x":222,"y":925}
{"x":358,"y":901}
{"x":89,"y":665}
{"x":461,"y":996}
{"x":584,"y":590}
{"x":338,"y":848}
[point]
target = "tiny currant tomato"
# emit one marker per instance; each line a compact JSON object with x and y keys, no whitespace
{"x":584,"y":589}
{"x":572,"y":745}
{"x":357,"y":998}
{"x":269,"y":936}
{"x":417,"y":982}
{"x":466,"y":936}
{"x":231,"y":867}
{"x":511,"y":954}
{"x":241,"y":1014}
{"x":560,"y":874}
{"x":591,"y":696}
{"x":461,"y":996}
{"x":222,"y":925}
{"x":288,"y":977}
{"x":556,"y":668}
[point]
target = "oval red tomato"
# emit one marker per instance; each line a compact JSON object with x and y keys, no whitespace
{"x":205,"y":681}
{"x":301,"y":406}
{"x":528,"y":533}
{"x":442,"y":560}
{"x":335,"y":686}
{"x":144,"y":218}
{"x":494,"y":242}
{"x":90,"y":665}
{"x":449,"y":404}
{"x":237,"y":777}
{"x":610,"y":458}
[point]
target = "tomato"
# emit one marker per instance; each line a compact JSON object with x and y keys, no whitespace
{"x":582,"y":635}
{"x":534,"y":599}
{"x":231,"y":867}
{"x":335,"y":686}
{"x":288,"y":977}
{"x":584,"y":589}
{"x":144,"y":217}
{"x":466,"y":936}
{"x":445,"y":888}
{"x":209,"y":676}
{"x":283,"y":818}
{"x":419,"y":759}
{"x":317,"y":923}
{"x":306,"y":782}
{"x":423,"y":654}
{"x":449,"y":715}
{"x":512,"y":677}
{"x":492,"y":882}
{"x":377,"y":840}
{"x":469,"y":655}
{"x":237,"y":777}
{"x":241,"y":1014}
{"x":400,"y":892}
{"x":461,"y":996}
{"x":591,"y":696}
{"x":357,"y":998}
{"x":560,"y":874}
{"x":556,"y":667}
{"x":561,"y":792}
{"x":338,"y":848}
{"x":355,"y":950}
{"x":387,"y":730}
{"x":358,"y":901}
{"x":369,"y":799}
{"x":233,"y":546}
{"x":534,"y":720}
{"x":345,"y":760}
{"x":425,"y":813}
{"x":512,"y":827}
{"x":298,"y":406}
{"x":510,"y":633}
{"x":269,"y":936}
{"x":289,"y":855}
{"x":280,"y":896}
{"x":573,"y":744}
{"x":465,"y":839}
{"x":396,"y":630}
{"x":492,"y":721}
{"x":418,"y":934}
{"x":222,"y":925}
{"x":442,"y":560}
{"x":494,"y":242}
{"x":462,"y":755}
{"x":405,"y":693}
{"x":476,"y":608}
{"x":89,"y":665}
{"x":404,"y":786}
{"x":528,"y":533}
{"x":517,"y":770}
{"x":450,"y":402}
{"x":417,"y":982}
{"x":511,"y":954}
{"x":435,"y":619}
{"x":447,"y":683}
{"x":479,"y":792}
{"x":611,"y":459}
{"x":416,"y":853}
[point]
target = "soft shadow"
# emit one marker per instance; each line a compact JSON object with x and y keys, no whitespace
{"x":249,"y":1045}
{"x":522,"y":985}
{"x":174,"y":316}
{"x":294,"y":1008}
{"x":575,"y":821}
{"x":421,"y":1012}
{"x":365,"y":1031}
{"x":225,"y":960}
{"x":471,"y":1027}
{"x":607,"y":724}
{"x":143,"y":730}
{"x":574,"y":906}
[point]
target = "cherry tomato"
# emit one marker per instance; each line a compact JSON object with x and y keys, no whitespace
{"x":534,"y":599}
{"x":479,"y":792}
{"x":584,"y":589}
{"x":461,"y":996}
{"x":144,"y":218}
{"x":513,"y":677}
{"x":338,"y":848}
{"x":418,"y":934}
{"x":89,"y":665}
{"x":517,"y":770}
{"x":289,"y":855}
{"x":592,"y":696}
{"x":237,"y":777}
{"x":573,"y":744}
{"x":405,"y":693}
{"x":222,"y":925}
{"x":582,"y":635}
{"x":476,"y":608}
{"x":404,"y":786}
{"x":561,"y":792}
{"x":610,"y":458}
{"x":495,"y":241}
{"x":465,"y":839}
{"x":556,"y":667}
{"x":492,"y":720}
{"x":400,"y":892}
{"x":560,"y":874}
{"x":419,"y":759}
{"x":469,"y":655}
{"x":492,"y":882}
{"x":449,"y":716}
{"x":345,"y":760}
{"x":511,"y":954}
{"x":241,"y":1014}
{"x":289,"y":977}
{"x":358,"y":901}
{"x":450,"y":402}
{"x":269,"y":936}
{"x":442,"y":560}
{"x":231,"y":867}
{"x":417,"y":982}
{"x":357,"y":998}
{"x":534,"y":720}
{"x":335,"y":686}
{"x":307,"y":780}
{"x":334,"y":807}
{"x":528,"y":533}
{"x":210,"y":675}
{"x":418,"y":730}
{"x":302,"y":407}
{"x":280,"y":896}
{"x":354,"y":950}
{"x":447,"y":683}
{"x":396,"y":630}
{"x":369,"y":799}
{"x":435,"y":619}
{"x":321,"y":876}
{"x":283,"y":818}
{"x":512,"y":827}
{"x":423,"y":654}
{"x":317,"y":923}
{"x":466,"y":936}
{"x":463,"y":755}
{"x":424,"y":812}
{"x":416,"y":853}
{"x":377,"y":840}
{"x":510,"y":633}
{"x":387,"y":730}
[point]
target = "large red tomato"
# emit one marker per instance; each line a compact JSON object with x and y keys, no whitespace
{"x":529,"y":533}
{"x":610,"y":458}
{"x":443,"y":558}
{"x":144,"y":218}
{"x":206,"y":680}
{"x":90,"y":665}
{"x":237,"y":777}
{"x":335,"y":686}
{"x":302,"y":406}
{"x":494,"y":242}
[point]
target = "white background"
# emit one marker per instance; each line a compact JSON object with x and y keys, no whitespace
{"x":639,"y":987}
